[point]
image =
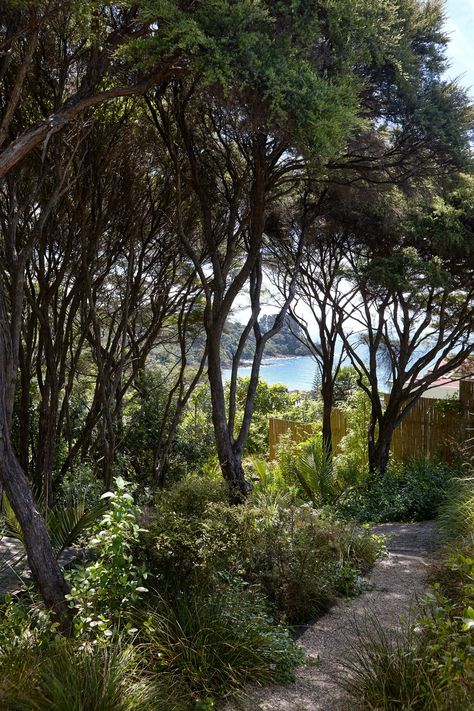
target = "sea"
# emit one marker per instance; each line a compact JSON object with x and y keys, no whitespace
{"x":296,"y":373}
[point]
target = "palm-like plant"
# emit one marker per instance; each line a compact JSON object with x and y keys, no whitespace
{"x":314,"y":472}
{"x":66,"y":524}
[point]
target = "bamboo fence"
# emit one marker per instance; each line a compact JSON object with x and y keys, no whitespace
{"x":430,"y":428}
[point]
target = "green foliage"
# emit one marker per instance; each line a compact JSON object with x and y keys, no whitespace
{"x":195,"y":437}
{"x":66,"y":523}
{"x":300,"y":559}
{"x":428,"y":667}
{"x":413,"y":491}
{"x":80,"y":483}
{"x":24,"y":623}
{"x":307,"y":560}
{"x":195,"y":534}
{"x":105,"y":591}
{"x":344,"y":384}
{"x":352,"y":456}
{"x":206,"y":645}
{"x":268,"y":48}
{"x":69,"y":677}
{"x":145,"y":417}
{"x":457,"y":512}
{"x":314,"y":471}
{"x":192,"y":494}
{"x":270,"y":401}
{"x":268,"y":482}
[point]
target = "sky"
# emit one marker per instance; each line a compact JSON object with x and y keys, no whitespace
{"x":460,"y":26}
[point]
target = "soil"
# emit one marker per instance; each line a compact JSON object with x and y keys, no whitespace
{"x":398,"y":581}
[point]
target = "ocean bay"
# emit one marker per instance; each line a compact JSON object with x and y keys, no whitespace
{"x":296,"y":373}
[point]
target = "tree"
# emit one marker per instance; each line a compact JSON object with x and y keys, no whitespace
{"x":413,"y":310}
{"x":319,"y":284}
{"x":238,"y":157}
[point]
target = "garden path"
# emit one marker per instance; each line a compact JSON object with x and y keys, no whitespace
{"x":398,"y":581}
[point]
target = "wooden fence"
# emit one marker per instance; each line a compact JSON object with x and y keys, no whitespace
{"x":429,"y":428}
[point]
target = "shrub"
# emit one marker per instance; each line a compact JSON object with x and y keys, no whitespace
{"x":105,"y":591}
{"x":300,"y":558}
{"x":306,"y":559}
{"x":406,"y":492}
{"x":192,"y":494}
{"x":457,"y":512}
{"x":353,"y":446}
{"x":314,"y":473}
{"x":205,"y":646}
{"x":427,"y":667}
{"x":193,"y":533}
{"x":268,"y":482}
{"x":430,"y":665}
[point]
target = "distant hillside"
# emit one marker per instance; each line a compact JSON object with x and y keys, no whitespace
{"x":283,"y":344}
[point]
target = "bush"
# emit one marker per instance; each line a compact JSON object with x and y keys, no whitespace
{"x":104,"y":591}
{"x":205,"y":646}
{"x":457,"y":512}
{"x":299,"y":558}
{"x":269,"y":484}
{"x":430,"y":666}
{"x":313,"y":472}
{"x":192,"y":494}
{"x":406,"y":492}
{"x":306,"y":559}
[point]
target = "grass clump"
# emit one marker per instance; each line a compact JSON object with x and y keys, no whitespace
{"x":457,"y":512}
{"x":204,"y":646}
{"x":67,"y":676}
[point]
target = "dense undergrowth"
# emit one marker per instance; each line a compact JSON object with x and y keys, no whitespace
{"x":181,"y":608}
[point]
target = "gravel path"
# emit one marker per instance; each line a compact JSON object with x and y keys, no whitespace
{"x":398,"y":580}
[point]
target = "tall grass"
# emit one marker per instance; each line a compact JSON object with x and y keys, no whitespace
{"x":206,"y":646}
{"x":456,"y":517}
{"x":69,"y":677}
{"x":428,"y":666}
{"x":393,"y":672}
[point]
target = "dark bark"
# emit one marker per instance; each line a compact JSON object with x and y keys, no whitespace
{"x":43,"y":564}
{"x":422,"y":336}
{"x":327,"y":395}
{"x":230,"y":458}
{"x":89,"y":94}
{"x":379,"y":443}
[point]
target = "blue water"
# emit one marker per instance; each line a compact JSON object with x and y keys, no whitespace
{"x":296,"y":373}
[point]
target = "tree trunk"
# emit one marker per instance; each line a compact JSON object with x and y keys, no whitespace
{"x":232,"y":470}
{"x":43,"y":564}
{"x":327,"y":395}
{"x":23,"y":440}
{"x":46,"y":449}
{"x":379,"y":448}
{"x":230,"y":459}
